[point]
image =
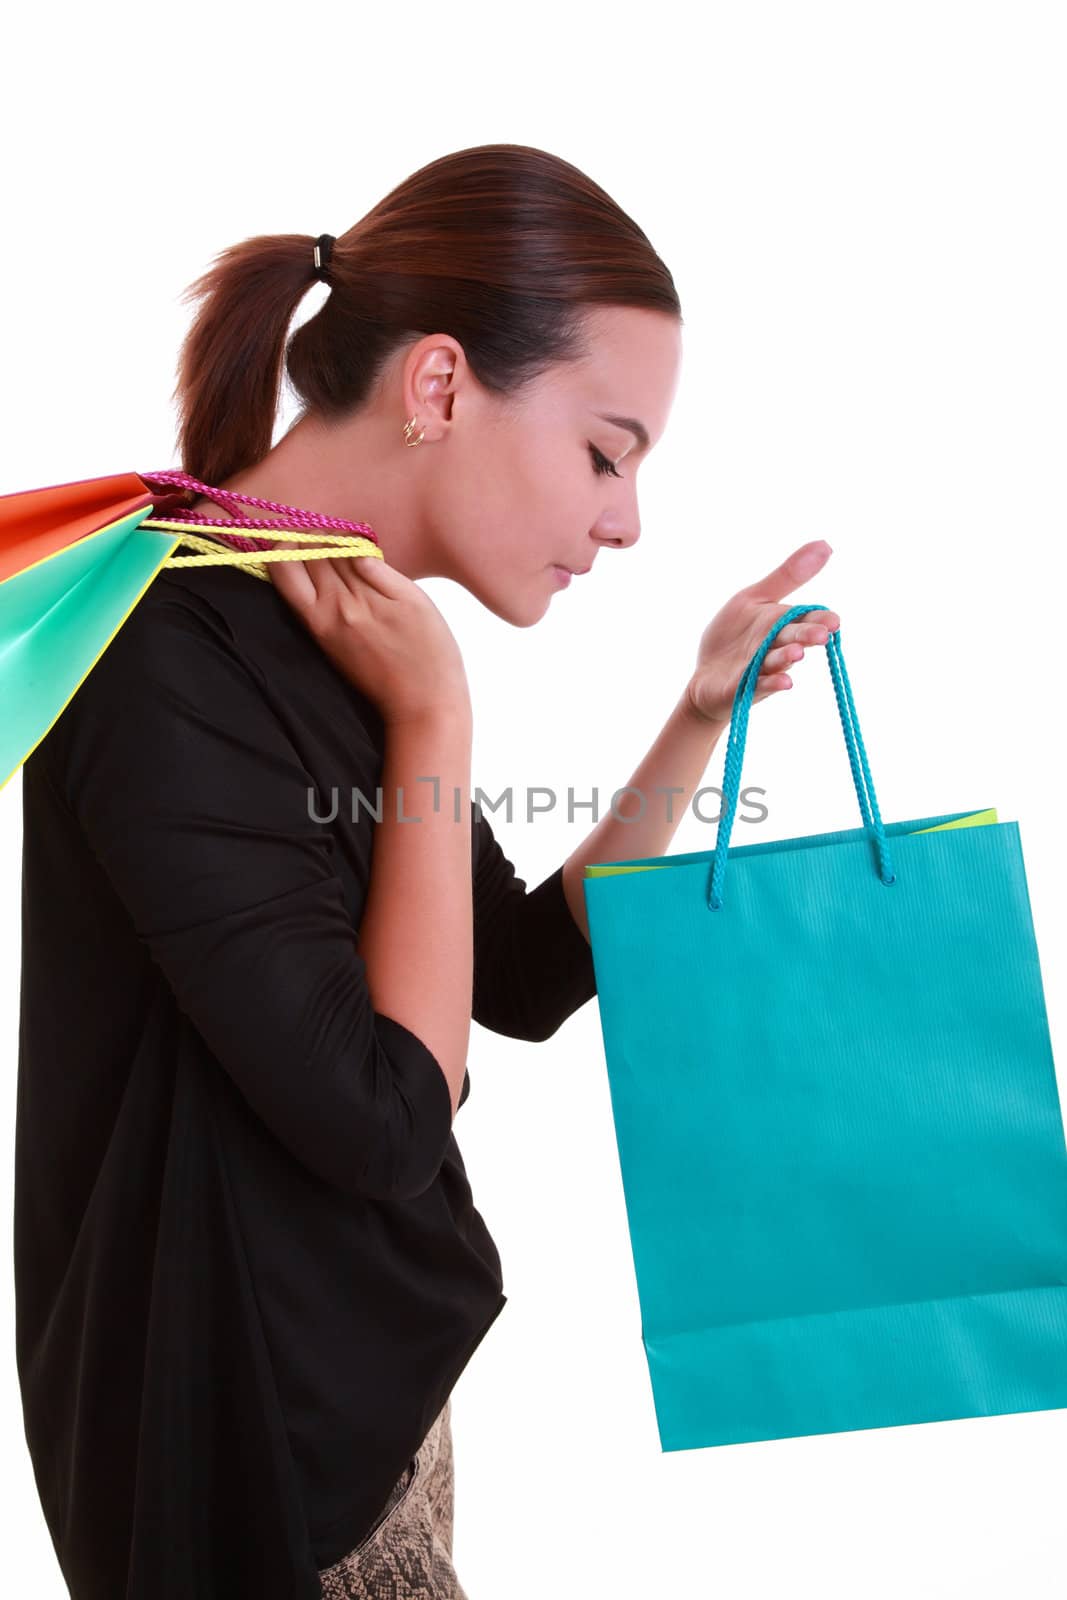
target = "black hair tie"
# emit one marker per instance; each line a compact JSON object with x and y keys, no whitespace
{"x":323,"y":250}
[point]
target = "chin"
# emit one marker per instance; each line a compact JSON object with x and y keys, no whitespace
{"x":521,"y":610}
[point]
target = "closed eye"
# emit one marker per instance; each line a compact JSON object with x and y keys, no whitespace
{"x":601,"y":464}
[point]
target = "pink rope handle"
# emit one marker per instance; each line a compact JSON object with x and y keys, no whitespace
{"x":300,"y":519}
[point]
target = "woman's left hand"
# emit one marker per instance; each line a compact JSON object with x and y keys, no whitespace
{"x":736,"y":632}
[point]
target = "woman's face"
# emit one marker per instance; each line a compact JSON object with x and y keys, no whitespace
{"x":513,"y":490}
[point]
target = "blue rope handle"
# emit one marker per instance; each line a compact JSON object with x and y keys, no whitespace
{"x":735,"y":751}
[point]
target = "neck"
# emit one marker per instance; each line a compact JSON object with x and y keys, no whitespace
{"x":349,"y":471}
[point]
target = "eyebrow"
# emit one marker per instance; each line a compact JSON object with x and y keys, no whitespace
{"x":638,"y":429}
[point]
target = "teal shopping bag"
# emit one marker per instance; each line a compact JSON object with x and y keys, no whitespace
{"x":58,"y":616}
{"x":839,"y":1131}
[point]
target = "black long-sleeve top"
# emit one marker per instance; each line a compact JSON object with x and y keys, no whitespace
{"x":248,"y":1267}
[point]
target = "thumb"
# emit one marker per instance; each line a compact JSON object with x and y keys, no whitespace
{"x":796,"y":569}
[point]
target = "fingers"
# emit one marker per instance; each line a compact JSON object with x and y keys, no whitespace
{"x":817,"y":626}
{"x":293,"y":582}
{"x":813,"y":629}
{"x":770,"y":683}
{"x":375,"y":573}
{"x":311,"y":584}
{"x":791,"y":643}
{"x":782,"y":656}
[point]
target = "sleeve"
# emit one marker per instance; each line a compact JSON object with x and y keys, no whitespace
{"x":533,"y":965}
{"x":195,"y":802}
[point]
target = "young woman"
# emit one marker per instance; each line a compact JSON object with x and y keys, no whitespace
{"x":249,"y":1269}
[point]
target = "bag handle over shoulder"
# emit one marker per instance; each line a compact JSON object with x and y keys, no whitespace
{"x":735,"y":751}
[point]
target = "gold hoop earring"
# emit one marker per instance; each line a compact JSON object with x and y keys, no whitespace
{"x":409,"y":429}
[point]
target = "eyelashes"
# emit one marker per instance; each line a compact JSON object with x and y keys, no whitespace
{"x":601,"y":464}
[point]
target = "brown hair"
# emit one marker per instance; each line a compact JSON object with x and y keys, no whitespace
{"x":502,"y":246}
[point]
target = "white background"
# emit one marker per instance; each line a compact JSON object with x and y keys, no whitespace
{"x":863,"y":209}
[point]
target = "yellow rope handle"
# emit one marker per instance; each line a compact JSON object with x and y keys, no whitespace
{"x":253,"y":561}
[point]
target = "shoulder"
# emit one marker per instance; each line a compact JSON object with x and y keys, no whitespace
{"x":251,"y":618}
{"x":181,"y":631}
{"x":225,"y":600}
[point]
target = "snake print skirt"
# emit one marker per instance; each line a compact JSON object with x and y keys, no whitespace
{"x":408,"y":1553}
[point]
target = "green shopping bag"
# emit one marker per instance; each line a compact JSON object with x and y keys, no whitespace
{"x":838,"y":1123}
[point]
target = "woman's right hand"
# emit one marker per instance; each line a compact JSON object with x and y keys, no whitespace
{"x":380,"y":630}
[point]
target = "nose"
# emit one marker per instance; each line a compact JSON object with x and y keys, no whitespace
{"x":622,"y":538}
